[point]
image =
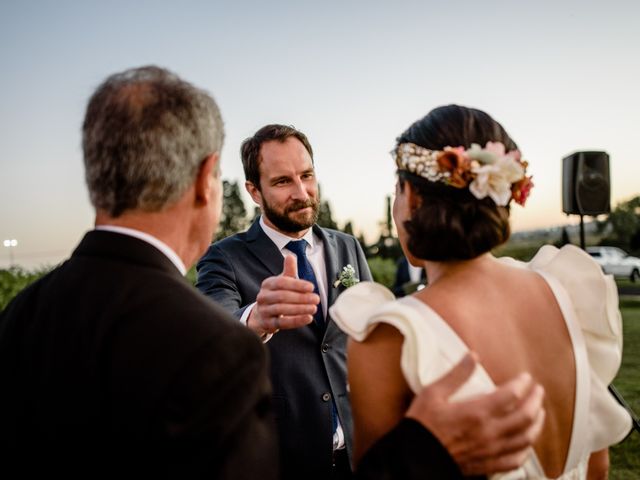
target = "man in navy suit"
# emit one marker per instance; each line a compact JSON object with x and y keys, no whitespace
{"x":253,"y":276}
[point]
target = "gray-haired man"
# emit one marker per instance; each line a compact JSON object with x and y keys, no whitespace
{"x":113,"y":365}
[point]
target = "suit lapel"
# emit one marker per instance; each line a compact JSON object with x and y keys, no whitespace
{"x":331,"y":259}
{"x":263,"y":249}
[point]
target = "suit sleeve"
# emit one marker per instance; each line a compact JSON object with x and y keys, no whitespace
{"x":363,"y":266}
{"x":217,"y":280}
{"x":219,"y":421}
{"x":409,"y":451}
{"x":402,"y":274}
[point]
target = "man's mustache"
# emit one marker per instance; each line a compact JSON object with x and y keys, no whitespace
{"x":300,"y":204}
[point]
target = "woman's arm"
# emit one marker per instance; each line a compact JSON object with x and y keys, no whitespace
{"x":379,"y":393}
{"x":598,"y":465}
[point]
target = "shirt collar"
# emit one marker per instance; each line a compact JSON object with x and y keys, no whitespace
{"x":280,"y":239}
{"x":150,"y":239}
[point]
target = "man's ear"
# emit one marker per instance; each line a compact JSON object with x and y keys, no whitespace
{"x":208,"y":173}
{"x":254,"y":191}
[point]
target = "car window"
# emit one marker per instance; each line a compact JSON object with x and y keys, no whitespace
{"x":616,"y":252}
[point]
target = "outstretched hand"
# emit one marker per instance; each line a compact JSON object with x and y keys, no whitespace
{"x":486,"y":434}
{"x":284,"y":301}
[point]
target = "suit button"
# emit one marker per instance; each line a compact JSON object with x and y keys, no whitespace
{"x":326,"y":396}
{"x":325,"y":347}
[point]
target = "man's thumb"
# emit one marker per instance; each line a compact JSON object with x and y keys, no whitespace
{"x":290,"y":268}
{"x":456,"y":377}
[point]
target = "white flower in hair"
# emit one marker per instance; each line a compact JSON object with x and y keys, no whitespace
{"x":487,"y":155}
{"x":495,"y":179}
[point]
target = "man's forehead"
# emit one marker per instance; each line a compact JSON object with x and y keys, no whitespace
{"x":287,"y":155}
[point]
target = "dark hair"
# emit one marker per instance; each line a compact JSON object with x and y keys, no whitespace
{"x":452,"y":224}
{"x":250,"y":149}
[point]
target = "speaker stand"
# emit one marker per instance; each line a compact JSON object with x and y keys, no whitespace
{"x":582,"y":232}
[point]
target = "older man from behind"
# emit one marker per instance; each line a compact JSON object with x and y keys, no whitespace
{"x":113,"y":364}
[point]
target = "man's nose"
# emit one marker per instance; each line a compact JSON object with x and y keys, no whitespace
{"x":299,"y":191}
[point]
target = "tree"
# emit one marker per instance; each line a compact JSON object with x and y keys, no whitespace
{"x":325,"y":218}
{"x":625,"y":223}
{"x":348,"y":228}
{"x":387,"y":245}
{"x":256,"y":213}
{"x":15,"y":279}
{"x":363,"y":243}
{"x":234,"y":214}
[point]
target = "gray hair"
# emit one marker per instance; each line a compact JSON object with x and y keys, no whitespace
{"x":144,"y":137}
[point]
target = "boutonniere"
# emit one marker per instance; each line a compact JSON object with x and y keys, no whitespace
{"x":347,"y":277}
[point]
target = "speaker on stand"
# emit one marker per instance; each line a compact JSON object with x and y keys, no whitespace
{"x":586,"y":186}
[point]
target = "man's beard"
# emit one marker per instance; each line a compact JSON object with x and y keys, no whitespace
{"x":285,"y":223}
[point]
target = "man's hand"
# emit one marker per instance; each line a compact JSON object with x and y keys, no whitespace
{"x":283,"y":302}
{"x":486,"y":434}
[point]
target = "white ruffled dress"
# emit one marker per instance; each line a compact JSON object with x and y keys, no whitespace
{"x":588,"y":300}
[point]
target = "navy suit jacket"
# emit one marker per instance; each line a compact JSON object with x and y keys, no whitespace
{"x":308,"y":366}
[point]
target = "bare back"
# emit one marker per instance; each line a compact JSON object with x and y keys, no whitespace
{"x":511,"y":318}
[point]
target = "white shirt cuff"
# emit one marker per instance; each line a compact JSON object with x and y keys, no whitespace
{"x":245,"y":317}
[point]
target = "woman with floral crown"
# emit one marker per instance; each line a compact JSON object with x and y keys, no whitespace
{"x":555,"y":317}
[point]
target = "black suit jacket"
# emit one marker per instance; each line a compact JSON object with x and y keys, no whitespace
{"x":408,"y":452}
{"x":113,"y":365}
{"x":308,"y":366}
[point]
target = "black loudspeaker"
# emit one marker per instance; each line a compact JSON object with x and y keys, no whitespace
{"x":586,"y":188}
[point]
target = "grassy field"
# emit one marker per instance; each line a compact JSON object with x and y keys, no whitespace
{"x":625,"y":458}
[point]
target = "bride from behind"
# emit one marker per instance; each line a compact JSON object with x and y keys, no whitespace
{"x":556,"y":317}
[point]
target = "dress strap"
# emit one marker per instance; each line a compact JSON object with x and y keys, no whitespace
{"x":580,"y":430}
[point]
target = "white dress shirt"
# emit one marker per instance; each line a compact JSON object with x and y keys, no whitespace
{"x":415,"y":274}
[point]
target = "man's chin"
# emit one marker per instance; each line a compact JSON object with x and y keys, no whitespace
{"x":293,"y":223}
{"x":305,"y":218}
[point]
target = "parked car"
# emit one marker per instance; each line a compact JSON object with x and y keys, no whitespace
{"x":616,"y":262}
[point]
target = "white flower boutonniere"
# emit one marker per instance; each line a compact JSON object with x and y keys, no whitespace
{"x":347,"y":277}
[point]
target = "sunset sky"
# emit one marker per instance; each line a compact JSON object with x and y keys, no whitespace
{"x":560,"y":76}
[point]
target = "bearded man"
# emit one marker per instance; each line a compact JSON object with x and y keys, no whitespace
{"x":252,"y":274}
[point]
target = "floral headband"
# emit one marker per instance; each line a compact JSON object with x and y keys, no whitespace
{"x":488,"y":171}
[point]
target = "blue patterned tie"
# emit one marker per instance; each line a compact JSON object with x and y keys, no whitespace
{"x":305,"y":272}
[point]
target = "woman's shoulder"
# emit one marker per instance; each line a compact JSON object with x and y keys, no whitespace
{"x":428,"y":347}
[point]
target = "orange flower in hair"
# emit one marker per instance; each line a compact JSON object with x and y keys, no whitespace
{"x":454,"y":161}
{"x":520,"y":190}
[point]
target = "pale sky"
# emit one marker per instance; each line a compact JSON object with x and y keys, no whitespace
{"x":559,"y":75}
